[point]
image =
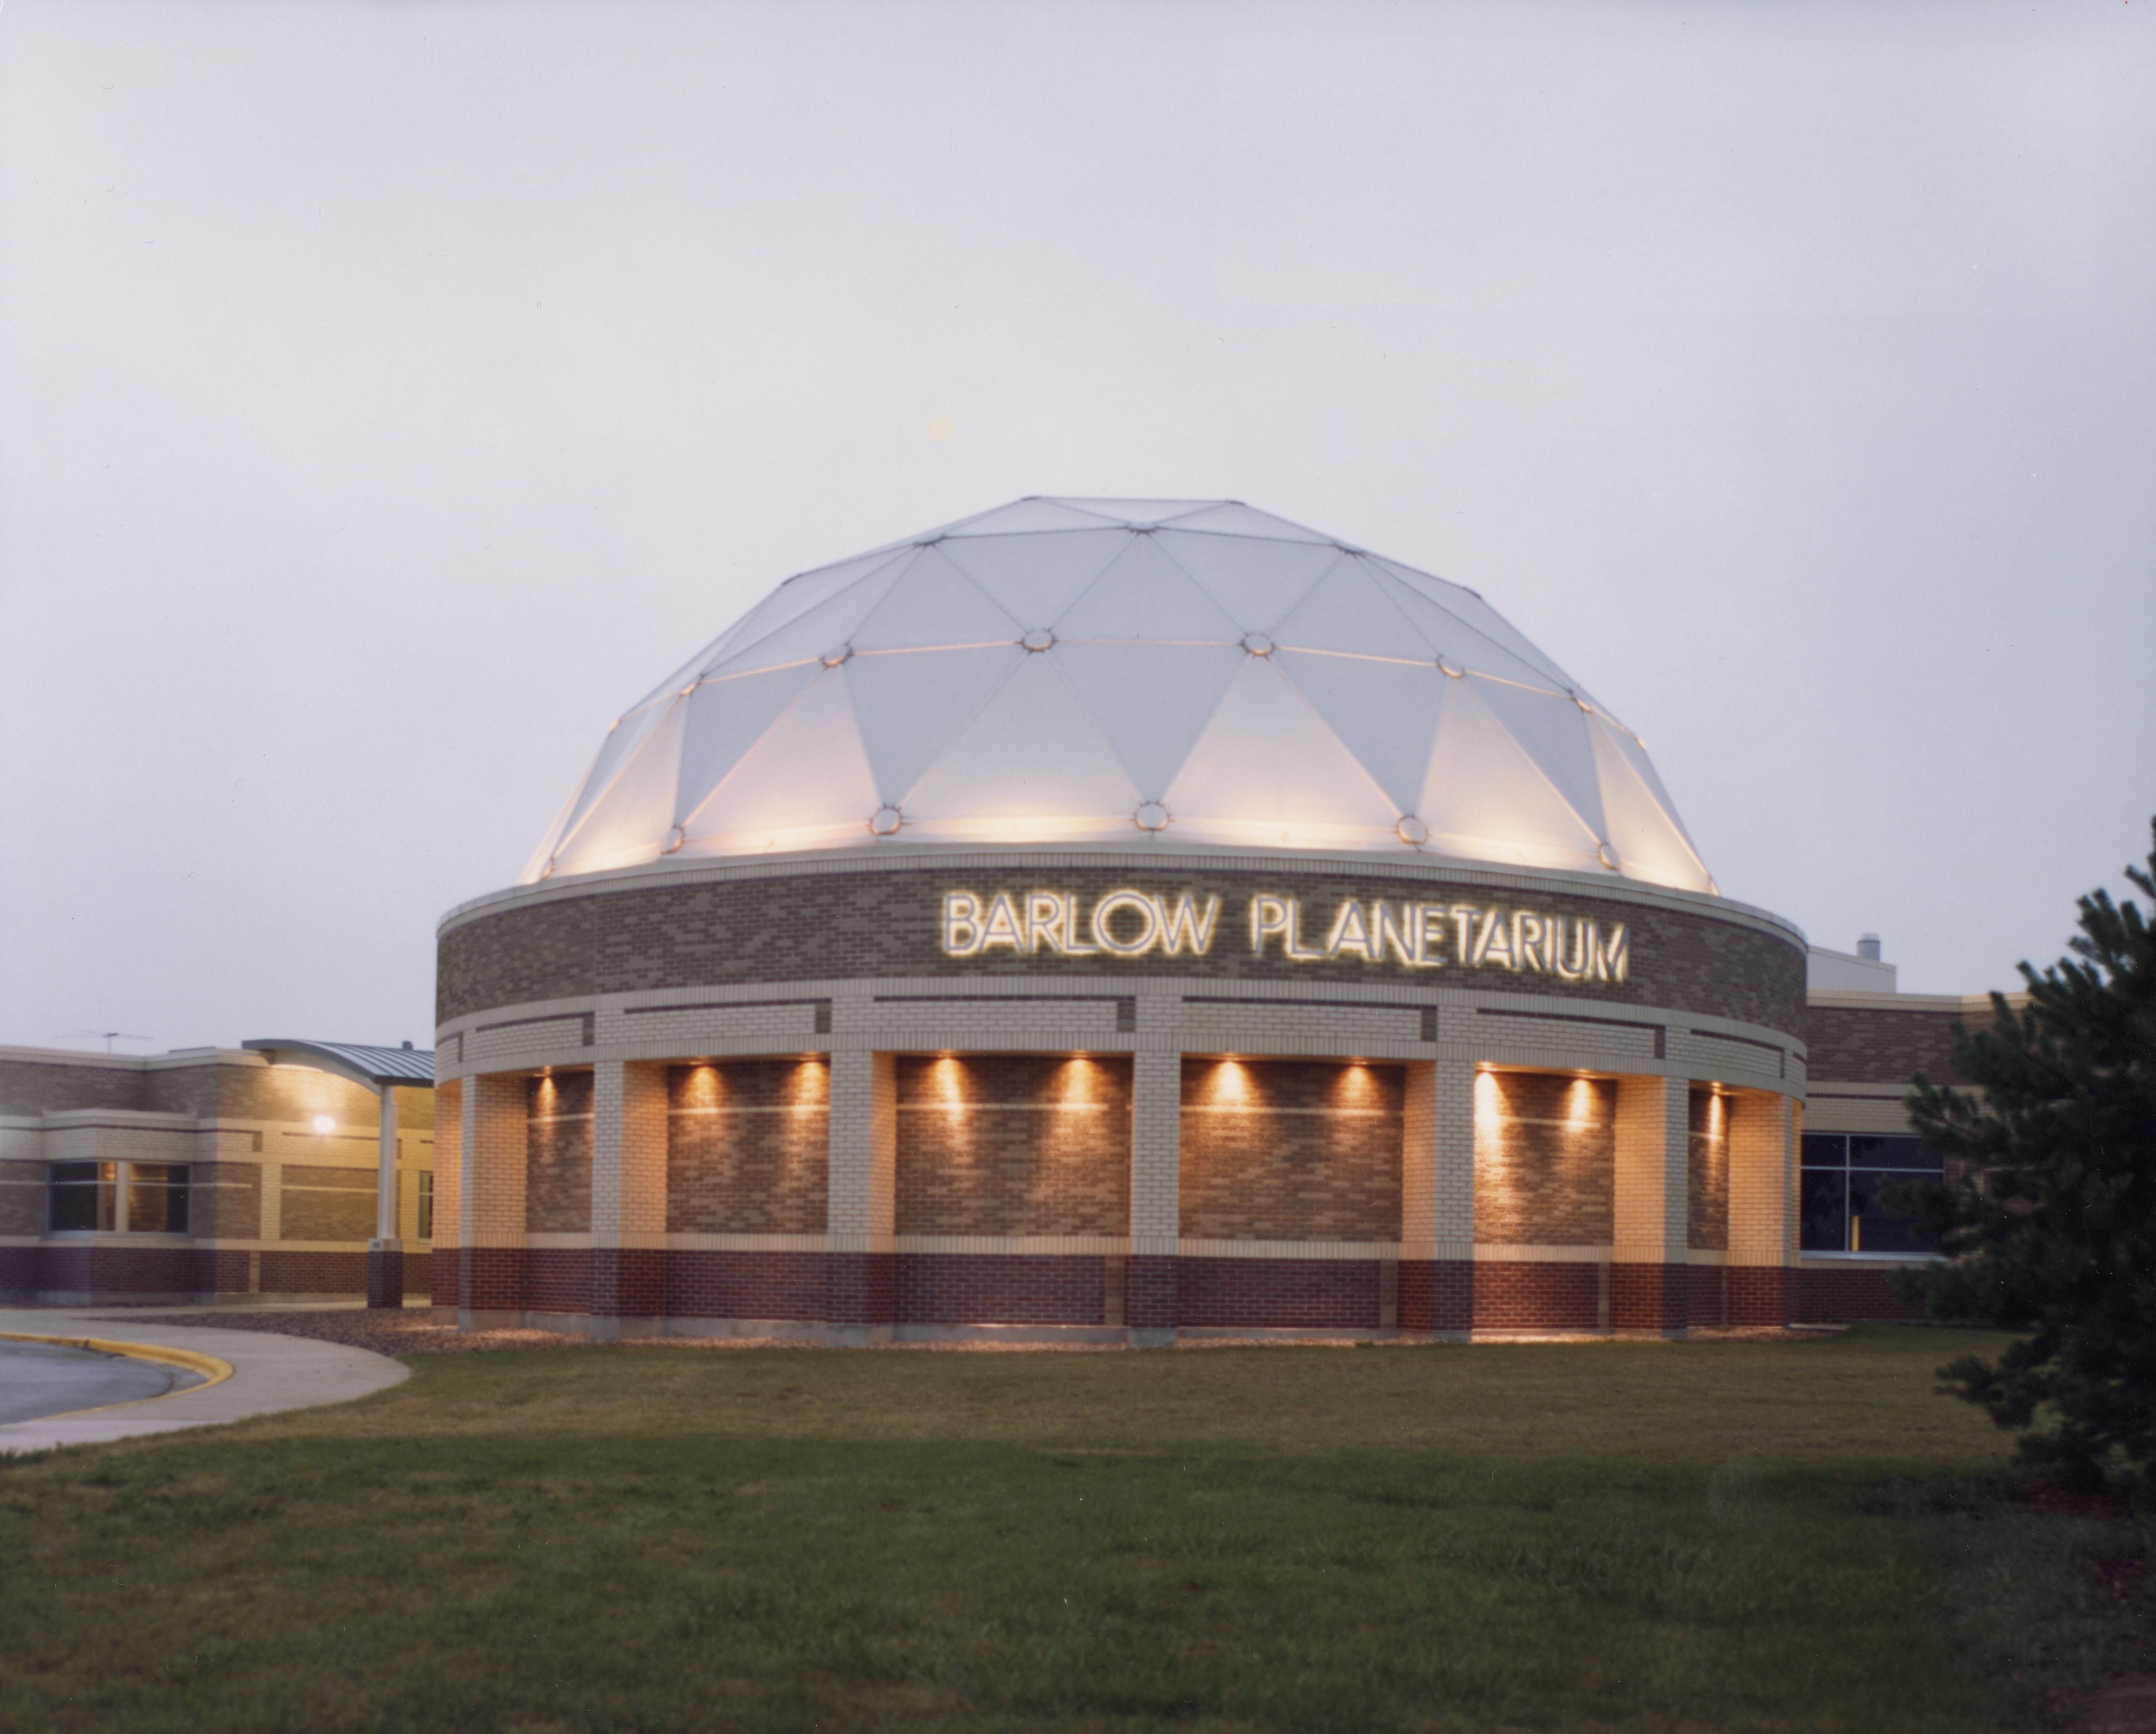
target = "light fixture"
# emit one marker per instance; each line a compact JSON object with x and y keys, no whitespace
{"x":1412,"y":830}
{"x":324,"y":1125}
{"x":1257,"y":644}
{"x":1151,"y":815}
{"x":834,"y":658}
{"x":1038,"y":639}
{"x":886,"y":821}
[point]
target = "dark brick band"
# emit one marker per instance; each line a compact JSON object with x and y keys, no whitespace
{"x":638,"y":936}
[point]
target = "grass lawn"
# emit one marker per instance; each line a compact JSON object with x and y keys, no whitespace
{"x":1641,"y":1535}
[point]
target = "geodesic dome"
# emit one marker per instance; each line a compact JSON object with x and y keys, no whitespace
{"x":1126,"y":673}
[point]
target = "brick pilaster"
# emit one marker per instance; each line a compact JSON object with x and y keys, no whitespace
{"x":862,"y":1210}
{"x":1150,"y":1306}
{"x":628,"y":1262}
{"x":1762,"y":1216}
{"x":445,"y":1268}
{"x":1650,"y":1276}
{"x":490,"y":1201}
{"x":1437,"y":1199}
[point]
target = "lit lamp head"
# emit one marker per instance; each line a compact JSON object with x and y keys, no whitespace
{"x":324,"y":1125}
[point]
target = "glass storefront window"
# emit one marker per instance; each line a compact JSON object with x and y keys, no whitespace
{"x":1843,"y":1176}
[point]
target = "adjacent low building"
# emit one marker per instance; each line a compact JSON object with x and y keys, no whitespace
{"x":212,"y":1175}
{"x":1120,"y":919}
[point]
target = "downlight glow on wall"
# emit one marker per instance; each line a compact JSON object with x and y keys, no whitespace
{"x":1124,"y":674}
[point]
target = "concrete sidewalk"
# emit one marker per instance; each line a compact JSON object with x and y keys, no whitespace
{"x":269,"y":1373}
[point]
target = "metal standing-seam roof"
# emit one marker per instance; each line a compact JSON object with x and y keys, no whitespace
{"x":374,"y":1067}
{"x":1081,"y":672}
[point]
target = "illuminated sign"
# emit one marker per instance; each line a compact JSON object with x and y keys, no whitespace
{"x":1375,"y":930}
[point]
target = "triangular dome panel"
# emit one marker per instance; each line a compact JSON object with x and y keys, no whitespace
{"x":1134,"y":511}
{"x":628,"y":823}
{"x":1231,"y":517}
{"x":819,"y":628}
{"x":1257,"y":584}
{"x":1034,"y":578}
{"x":1268,"y":770}
{"x":1145,"y":596}
{"x":1031,"y":765}
{"x":1385,"y":713}
{"x":1150,"y":701}
{"x":797,"y":597}
{"x":1349,"y":611}
{"x":1463,"y":605}
{"x":906,"y":721}
{"x":1650,"y":843}
{"x":723,"y":718}
{"x":1553,"y":730}
{"x":622,"y":739}
{"x":806,"y":783}
{"x":936,"y":605}
{"x":1485,"y":798}
{"x":1028,"y":516}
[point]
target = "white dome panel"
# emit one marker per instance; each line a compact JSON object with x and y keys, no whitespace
{"x":1035,"y":673}
{"x":1146,"y":597}
{"x":1030,"y":768}
{"x":1034,"y":578}
{"x":1256,"y":583}
{"x":905,"y":724}
{"x":1268,"y":771}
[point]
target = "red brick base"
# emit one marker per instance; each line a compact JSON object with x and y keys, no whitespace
{"x":1523,"y":1296}
{"x":1858,"y":1292}
{"x":1278,"y":1294}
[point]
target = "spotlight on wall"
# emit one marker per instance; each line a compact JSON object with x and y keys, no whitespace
{"x":324,"y":1125}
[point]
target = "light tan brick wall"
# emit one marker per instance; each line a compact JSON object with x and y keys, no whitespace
{"x":1156,"y":1151}
{"x":448,"y":1165}
{"x":863,"y":1145}
{"x":490,"y":1206}
{"x":629,"y":1139}
{"x":1650,"y":1174}
{"x":1762,"y":1130}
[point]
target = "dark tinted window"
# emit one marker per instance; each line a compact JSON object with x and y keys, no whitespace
{"x":1872,"y":1227}
{"x":1824,"y":1149}
{"x":1823,"y":1203}
{"x":81,"y":1195}
{"x":1868,"y":1152}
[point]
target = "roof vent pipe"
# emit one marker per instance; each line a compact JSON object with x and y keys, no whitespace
{"x":1867,"y":947}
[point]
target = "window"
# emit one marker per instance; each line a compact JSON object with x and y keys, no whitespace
{"x":130,"y":1197}
{"x":157,"y":1198}
{"x":1843,"y":1175}
{"x":83,"y":1195}
{"x":426,"y":1204}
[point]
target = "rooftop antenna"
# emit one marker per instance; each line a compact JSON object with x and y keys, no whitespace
{"x":110,"y":1036}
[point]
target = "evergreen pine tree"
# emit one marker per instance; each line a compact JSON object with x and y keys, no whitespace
{"x":2048,"y":1217}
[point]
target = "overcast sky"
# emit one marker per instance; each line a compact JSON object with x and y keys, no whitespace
{"x":390,"y":394}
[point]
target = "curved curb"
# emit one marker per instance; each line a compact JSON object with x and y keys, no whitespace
{"x":214,"y":1371}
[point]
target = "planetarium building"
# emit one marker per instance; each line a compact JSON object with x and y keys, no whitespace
{"x":1110,"y":919}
